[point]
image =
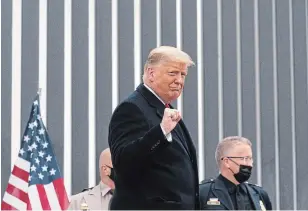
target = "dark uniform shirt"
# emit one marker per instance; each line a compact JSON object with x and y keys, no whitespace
{"x":239,"y":195}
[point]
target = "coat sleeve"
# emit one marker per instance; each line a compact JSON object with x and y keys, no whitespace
{"x":264,"y":196}
{"x":266,"y":199}
{"x":74,"y":203}
{"x":204,"y":189}
{"x":131,"y":140}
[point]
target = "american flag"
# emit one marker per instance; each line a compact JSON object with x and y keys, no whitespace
{"x":36,"y":182}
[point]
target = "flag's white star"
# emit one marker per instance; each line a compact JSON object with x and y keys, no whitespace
{"x":34,"y":146}
{"x":41,"y":176}
{"x":26,"y":138}
{"x":38,"y":117}
{"x":21,"y":151}
{"x":30,"y":178}
{"x":48,"y":158}
{"x":45,"y":145}
{"x":37,"y":138}
{"x":44,"y":168}
{"x":37,"y":161}
{"x":35,"y":102}
{"x":33,"y":168}
{"x":30,"y":125}
{"x":52,"y":172}
{"x":41,"y":131}
{"x":41,"y":154}
{"x":30,"y":148}
{"x":35,"y":123}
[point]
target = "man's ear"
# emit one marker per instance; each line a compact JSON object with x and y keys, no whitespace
{"x":104,"y":170}
{"x":225,"y":162}
{"x":151,"y":73}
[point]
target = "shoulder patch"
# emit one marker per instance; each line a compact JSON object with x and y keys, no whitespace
{"x":253,"y":184}
{"x":87,"y":189}
{"x":207,"y":181}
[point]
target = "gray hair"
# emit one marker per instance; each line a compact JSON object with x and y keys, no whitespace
{"x":167,"y":54}
{"x":228,"y":143}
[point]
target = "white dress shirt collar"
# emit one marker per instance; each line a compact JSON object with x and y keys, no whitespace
{"x":104,"y":189}
{"x":151,"y":90}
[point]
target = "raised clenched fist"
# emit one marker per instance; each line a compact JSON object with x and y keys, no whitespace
{"x":170,"y":119}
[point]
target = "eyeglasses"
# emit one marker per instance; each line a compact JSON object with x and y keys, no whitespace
{"x":244,"y":158}
{"x":109,"y":166}
{"x":106,"y":166}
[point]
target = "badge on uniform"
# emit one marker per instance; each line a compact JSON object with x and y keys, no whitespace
{"x":262,"y":206}
{"x":213,"y":201}
{"x":84,"y":206}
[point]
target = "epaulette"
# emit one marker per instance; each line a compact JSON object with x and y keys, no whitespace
{"x":207,"y":181}
{"x":253,"y":184}
{"x":86,"y":189}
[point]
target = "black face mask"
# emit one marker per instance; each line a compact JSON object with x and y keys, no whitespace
{"x":244,"y":173}
{"x":111,"y":176}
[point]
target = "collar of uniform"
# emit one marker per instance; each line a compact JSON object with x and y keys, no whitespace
{"x":243,"y":187}
{"x":151,"y":90}
{"x":231,"y":186}
{"x":104,"y":189}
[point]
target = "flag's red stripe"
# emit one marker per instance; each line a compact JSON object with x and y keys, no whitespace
{"x":22,"y":174}
{"x":43,"y":197}
{"x":61,"y":193}
{"x":19,"y":194}
{"x":5,"y":206}
{"x":29,"y":206}
{"x":14,"y":191}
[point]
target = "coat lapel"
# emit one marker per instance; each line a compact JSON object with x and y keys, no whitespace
{"x":93,"y":198}
{"x":159,"y":106}
{"x":189,"y":139}
{"x":181,"y":136}
{"x":160,"y":114}
{"x":220,"y":191}
{"x":254,"y":197}
{"x":151,"y":98}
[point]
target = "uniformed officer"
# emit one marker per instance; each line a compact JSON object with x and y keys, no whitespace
{"x":230,"y":190}
{"x":98,"y":197}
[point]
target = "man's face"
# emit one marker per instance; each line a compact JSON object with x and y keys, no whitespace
{"x":168,"y":80}
{"x":106,"y":167}
{"x":241,"y":154}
